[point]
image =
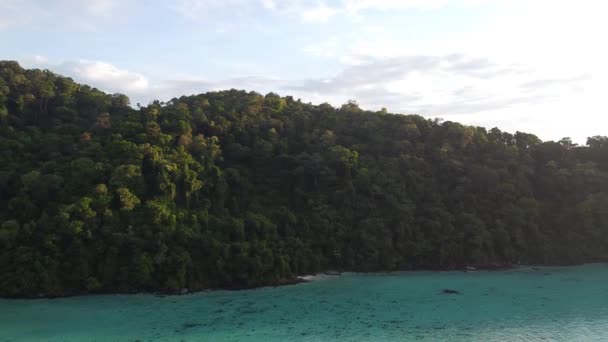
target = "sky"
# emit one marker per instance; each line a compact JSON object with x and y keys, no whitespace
{"x":535,"y":66}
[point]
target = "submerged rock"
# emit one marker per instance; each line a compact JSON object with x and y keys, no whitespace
{"x":190,"y":325}
{"x":450,"y":291}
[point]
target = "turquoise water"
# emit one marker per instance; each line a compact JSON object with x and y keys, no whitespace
{"x":547,"y":304}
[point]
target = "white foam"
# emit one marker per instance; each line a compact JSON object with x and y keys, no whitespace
{"x":316,"y":277}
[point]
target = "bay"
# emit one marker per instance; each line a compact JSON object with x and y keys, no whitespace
{"x":524,"y":304}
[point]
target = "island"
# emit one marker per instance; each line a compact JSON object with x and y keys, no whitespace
{"x":234,"y":189}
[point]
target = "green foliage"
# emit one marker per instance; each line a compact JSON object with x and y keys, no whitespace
{"x":126,"y":200}
{"x":235,"y":189}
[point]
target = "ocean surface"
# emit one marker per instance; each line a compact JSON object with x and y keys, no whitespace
{"x":526,"y":304}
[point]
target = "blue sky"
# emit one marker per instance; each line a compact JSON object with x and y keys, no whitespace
{"x":535,"y":66}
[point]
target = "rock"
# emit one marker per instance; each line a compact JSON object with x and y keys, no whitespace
{"x":471,"y":268}
{"x":290,"y":281}
{"x":450,"y":291}
{"x":190,"y":325}
{"x":183,"y":291}
{"x":331,"y":272}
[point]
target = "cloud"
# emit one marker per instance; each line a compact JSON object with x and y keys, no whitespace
{"x":385,"y":70}
{"x":356,"y":6}
{"x":544,"y":83}
{"x":320,"y":14}
{"x":192,"y":8}
{"x":102,"y":75}
{"x":269,"y":4}
{"x":98,"y":7}
{"x":60,"y":13}
{"x":454,"y":86}
{"x":310,"y":11}
{"x":319,"y":11}
{"x":178,"y":87}
{"x":13,"y":12}
{"x":326,"y":49}
{"x":34,"y":61}
{"x":444,"y":85}
{"x":140,"y":88}
{"x":195,"y":9}
{"x":433,"y":85}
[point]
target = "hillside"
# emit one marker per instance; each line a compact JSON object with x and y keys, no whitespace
{"x":235,"y":189}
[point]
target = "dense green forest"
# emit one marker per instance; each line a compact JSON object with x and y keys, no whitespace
{"x":235,"y":189}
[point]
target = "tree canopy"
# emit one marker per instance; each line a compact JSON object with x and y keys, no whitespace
{"x":236,"y":189}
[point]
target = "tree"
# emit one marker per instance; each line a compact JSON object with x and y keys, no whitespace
{"x":126,"y":200}
{"x":236,"y":189}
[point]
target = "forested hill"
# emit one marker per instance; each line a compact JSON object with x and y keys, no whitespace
{"x":235,"y":189}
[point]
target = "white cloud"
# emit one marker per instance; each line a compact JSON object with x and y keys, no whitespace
{"x":59,"y":13}
{"x":269,"y":4}
{"x":191,"y":8}
{"x":34,"y":61}
{"x":13,"y":12}
{"x":456,"y":87}
{"x":320,"y":11}
{"x":350,"y":60}
{"x":104,"y":76}
{"x":460,"y":87}
{"x":529,"y":68}
{"x":194,"y":9}
{"x":545,"y":63}
{"x":40,"y":59}
{"x":326,"y":49}
{"x":356,"y":6}
{"x":313,"y":11}
{"x":141,"y":89}
{"x":99,"y":7}
{"x":319,"y":14}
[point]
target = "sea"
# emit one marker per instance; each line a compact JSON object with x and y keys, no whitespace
{"x":521,"y":304}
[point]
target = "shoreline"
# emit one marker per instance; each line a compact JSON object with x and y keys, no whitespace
{"x":299,"y":279}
